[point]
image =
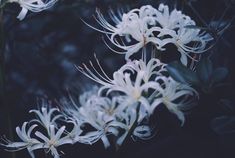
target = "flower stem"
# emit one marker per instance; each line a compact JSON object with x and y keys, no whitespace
{"x":132,"y":128}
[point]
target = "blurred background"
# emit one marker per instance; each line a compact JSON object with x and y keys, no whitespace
{"x":41,"y":52}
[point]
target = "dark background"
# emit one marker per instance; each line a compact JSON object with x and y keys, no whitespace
{"x":42,"y":49}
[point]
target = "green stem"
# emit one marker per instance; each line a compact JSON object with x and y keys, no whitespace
{"x":133,"y":126}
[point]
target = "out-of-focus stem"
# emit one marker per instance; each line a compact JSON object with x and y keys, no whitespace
{"x":3,"y":103}
{"x":2,"y":77}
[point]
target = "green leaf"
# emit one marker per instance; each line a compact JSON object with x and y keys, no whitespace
{"x":181,"y":73}
{"x":204,"y":70}
{"x":219,"y":74}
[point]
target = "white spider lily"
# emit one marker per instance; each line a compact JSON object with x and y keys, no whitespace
{"x":169,"y":94}
{"x":100,"y":113}
{"x":109,"y":107}
{"x":131,"y":127}
{"x":172,"y":20}
{"x":129,"y":119}
{"x":123,"y":83}
{"x":97,"y":103}
{"x":51,"y":141}
{"x":87,"y":95}
{"x":101,"y":118}
{"x":149,"y":25}
{"x":54,"y":140}
{"x":187,"y":41}
{"x":135,"y":91}
{"x":27,"y":141}
{"x":132,"y":25}
{"x":153,"y":68}
{"x":45,"y":116}
{"x":32,"y":5}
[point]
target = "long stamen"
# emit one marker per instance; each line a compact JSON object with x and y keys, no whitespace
{"x":115,"y":51}
{"x":102,"y":31}
{"x":102,"y":70}
{"x":104,"y":78}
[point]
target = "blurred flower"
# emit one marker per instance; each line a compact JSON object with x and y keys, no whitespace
{"x":32,"y":5}
{"x":99,"y":112}
{"x":107,"y":116}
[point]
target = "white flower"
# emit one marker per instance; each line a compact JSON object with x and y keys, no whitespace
{"x":54,"y":140}
{"x":122,"y":83}
{"x":107,"y":116}
{"x":45,"y":116}
{"x":129,"y":119}
{"x":100,"y":121}
{"x":187,"y":40}
{"x":172,"y":20}
{"x":133,"y":26}
{"x":32,"y":5}
{"x":70,"y":107}
{"x":151,"y":69}
{"x":185,"y":37}
{"x":134,"y":79}
{"x":131,"y":127}
{"x":50,"y":141}
{"x":175,"y":96}
{"x":99,"y":112}
{"x":27,"y":140}
{"x":135,"y":29}
{"x":87,"y":95}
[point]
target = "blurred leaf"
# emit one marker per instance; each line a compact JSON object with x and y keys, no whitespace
{"x":218,"y":75}
{"x":204,"y":70}
{"x":181,"y":73}
{"x":228,"y":106}
{"x":224,"y":125}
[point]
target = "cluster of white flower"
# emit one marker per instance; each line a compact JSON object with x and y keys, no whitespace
{"x":51,"y":137}
{"x":142,"y":87}
{"x":123,"y":105}
{"x":32,"y":5}
{"x":134,"y":30}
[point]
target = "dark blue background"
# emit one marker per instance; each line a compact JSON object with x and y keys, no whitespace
{"x":40,"y":55}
